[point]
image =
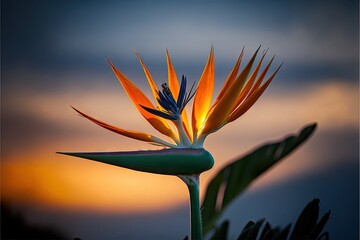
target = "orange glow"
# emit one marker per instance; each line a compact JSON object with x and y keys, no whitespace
{"x":61,"y":182}
{"x":36,"y":175}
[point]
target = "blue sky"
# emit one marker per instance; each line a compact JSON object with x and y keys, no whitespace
{"x":310,"y":35}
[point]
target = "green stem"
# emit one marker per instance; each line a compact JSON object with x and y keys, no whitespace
{"x":195,"y":214}
{"x":184,"y":139}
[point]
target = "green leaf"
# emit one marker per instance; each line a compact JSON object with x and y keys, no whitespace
{"x":270,"y":234}
{"x":324,"y":236}
{"x":254,"y":230}
{"x":222,"y":232}
{"x":210,"y":200}
{"x":319,"y":227}
{"x":306,"y":221}
{"x":306,"y":226}
{"x":245,"y":232}
{"x":283,"y":234}
{"x":236,"y":177}
{"x":266,"y":233}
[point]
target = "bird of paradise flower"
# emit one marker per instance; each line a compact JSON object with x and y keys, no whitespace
{"x":184,"y":155}
{"x":238,"y":94}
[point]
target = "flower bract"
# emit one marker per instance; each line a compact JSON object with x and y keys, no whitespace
{"x":185,"y":161}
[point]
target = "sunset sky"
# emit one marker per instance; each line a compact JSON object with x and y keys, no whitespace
{"x":53,"y":56}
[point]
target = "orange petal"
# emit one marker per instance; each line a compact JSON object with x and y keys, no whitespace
{"x":172,"y":78}
{"x":127,"y":133}
{"x":203,"y":95}
{"x":218,"y":115}
{"x":247,"y":104}
{"x":155,"y":90}
{"x":230,"y":79}
{"x":151,"y":81}
{"x":249,"y":85}
{"x":139,"y":98}
{"x":261,"y":77}
{"x":175,"y":88}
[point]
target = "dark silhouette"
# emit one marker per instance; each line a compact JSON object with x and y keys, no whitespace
{"x":14,"y":226}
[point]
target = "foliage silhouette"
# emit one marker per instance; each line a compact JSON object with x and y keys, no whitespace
{"x":234,"y":178}
{"x":307,"y":227}
{"x":14,"y":226}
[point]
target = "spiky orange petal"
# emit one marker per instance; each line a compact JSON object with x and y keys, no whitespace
{"x":172,"y":78}
{"x":230,"y":79}
{"x":175,"y":88}
{"x":219,"y":114}
{"x":249,"y":101}
{"x":249,"y":85}
{"x":151,"y":81}
{"x":139,"y":99}
{"x":127,"y":133}
{"x":261,"y":77}
{"x":203,"y":95}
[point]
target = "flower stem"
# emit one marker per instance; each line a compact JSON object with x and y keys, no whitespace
{"x":192,"y":183}
{"x":184,"y":139}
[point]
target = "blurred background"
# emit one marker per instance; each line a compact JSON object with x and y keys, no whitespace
{"x":53,"y":56}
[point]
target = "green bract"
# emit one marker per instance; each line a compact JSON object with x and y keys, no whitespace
{"x":185,"y":161}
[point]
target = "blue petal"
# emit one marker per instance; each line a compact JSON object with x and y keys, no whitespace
{"x":163,"y":104}
{"x":159,"y":113}
{"x":182,"y":92}
{"x":170,"y":101}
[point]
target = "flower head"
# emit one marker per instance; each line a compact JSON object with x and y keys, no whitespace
{"x":169,"y":116}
